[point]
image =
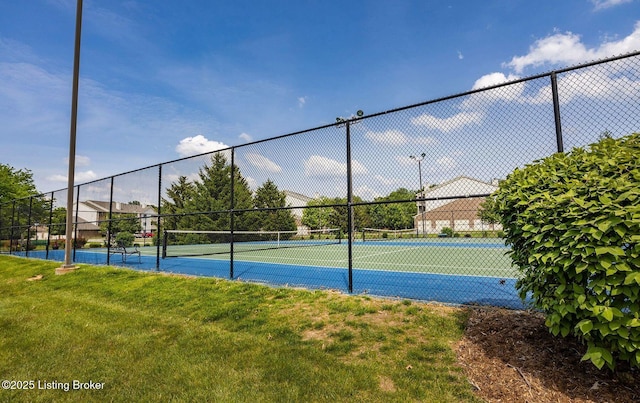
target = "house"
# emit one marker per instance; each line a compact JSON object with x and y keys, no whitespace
{"x":92,"y":212}
{"x":294,"y":199}
{"x":452,"y":204}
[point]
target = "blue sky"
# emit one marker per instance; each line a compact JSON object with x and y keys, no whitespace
{"x":161,"y":80}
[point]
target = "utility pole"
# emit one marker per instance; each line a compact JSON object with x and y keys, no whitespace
{"x":68,"y":265}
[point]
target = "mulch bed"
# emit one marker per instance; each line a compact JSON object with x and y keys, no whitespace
{"x":510,"y":356}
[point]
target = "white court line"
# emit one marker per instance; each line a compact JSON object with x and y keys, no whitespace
{"x":388,"y":252}
{"x":412,"y":265}
{"x":436,"y":266}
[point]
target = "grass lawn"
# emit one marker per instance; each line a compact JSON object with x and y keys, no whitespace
{"x":152,"y":337}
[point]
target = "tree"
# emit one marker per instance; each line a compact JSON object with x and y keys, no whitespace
{"x":58,"y":221}
{"x":488,"y":212}
{"x":335,"y":214}
{"x":179,"y":195}
{"x":317,"y":216}
{"x":122,"y":223}
{"x":205,"y":204}
{"x":15,"y":184}
{"x":394,"y":215}
{"x":268,"y":196}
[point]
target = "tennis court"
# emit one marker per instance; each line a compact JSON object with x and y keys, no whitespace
{"x":451,"y":270}
{"x":454,"y":270}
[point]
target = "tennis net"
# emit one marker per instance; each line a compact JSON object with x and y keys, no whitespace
{"x":378,"y":234}
{"x":185,"y":243}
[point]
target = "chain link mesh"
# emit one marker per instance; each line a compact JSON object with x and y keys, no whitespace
{"x":391,"y":203}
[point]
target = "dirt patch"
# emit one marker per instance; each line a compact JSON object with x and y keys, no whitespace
{"x":510,"y":356}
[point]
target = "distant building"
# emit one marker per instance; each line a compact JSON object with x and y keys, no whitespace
{"x":294,"y":199}
{"x":453,"y":206}
{"x":92,"y":212}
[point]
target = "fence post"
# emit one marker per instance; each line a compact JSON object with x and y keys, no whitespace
{"x":349,"y":209}
{"x":75,"y":227}
{"x":49,"y":224}
{"x":556,"y":111}
{"x":13,"y":223}
{"x":109,"y":227}
{"x":158,"y":217}
{"x":231,"y":213}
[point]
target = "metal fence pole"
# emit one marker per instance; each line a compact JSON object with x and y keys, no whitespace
{"x":158,"y":217}
{"x":350,"y":220}
{"x":556,"y":111}
{"x":28,"y":244}
{"x":109,"y":226}
{"x":13,"y":224}
{"x":75,"y":228}
{"x":231,"y":213}
{"x":49,"y":224}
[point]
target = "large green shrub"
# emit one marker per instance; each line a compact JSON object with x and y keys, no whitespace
{"x":573,"y":224}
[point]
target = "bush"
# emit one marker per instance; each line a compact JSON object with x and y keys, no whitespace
{"x":125,"y":238}
{"x":573,"y":224}
{"x":79,"y":242}
{"x":448,"y":231}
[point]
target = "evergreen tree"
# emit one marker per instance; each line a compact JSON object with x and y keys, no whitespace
{"x":179,"y":196}
{"x":268,"y":196}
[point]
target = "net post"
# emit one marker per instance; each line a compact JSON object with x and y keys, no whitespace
{"x":164,"y":244}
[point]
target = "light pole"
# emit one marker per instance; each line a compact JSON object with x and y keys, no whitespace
{"x":68,"y":264}
{"x":421,"y":204}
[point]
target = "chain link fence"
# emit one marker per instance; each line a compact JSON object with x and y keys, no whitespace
{"x":389,"y":204}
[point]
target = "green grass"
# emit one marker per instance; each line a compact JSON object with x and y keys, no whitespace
{"x":152,"y":337}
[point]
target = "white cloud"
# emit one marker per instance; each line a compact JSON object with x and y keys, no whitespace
{"x":263,"y":163}
{"x":81,"y":161}
{"x":602,"y":4}
{"x":397,"y":138}
{"x":302,"y":101}
{"x":80,"y":177}
{"x":253,"y":184}
{"x":388,"y":181}
{"x":404,"y":160}
{"x":245,"y":137}
{"x":568,"y":49}
{"x":366,"y":193}
{"x":449,"y":124}
{"x":389,"y":137}
{"x":318,"y":166}
{"x":446,"y":162}
{"x":198,"y":145}
{"x":460,"y":55}
{"x":492,"y":79}
{"x":424,"y":140}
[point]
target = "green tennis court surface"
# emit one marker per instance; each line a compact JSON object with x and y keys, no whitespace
{"x":474,"y":257}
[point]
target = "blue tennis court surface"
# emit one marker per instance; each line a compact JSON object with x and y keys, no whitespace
{"x":332,"y":273}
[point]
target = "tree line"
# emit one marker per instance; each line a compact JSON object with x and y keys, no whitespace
{"x":204,"y":204}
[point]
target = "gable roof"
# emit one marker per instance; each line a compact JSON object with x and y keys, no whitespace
{"x":117,"y":207}
{"x":304,"y":199}
{"x":461,"y":186}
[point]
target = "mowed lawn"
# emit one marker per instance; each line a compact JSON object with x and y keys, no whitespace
{"x":136,"y":336}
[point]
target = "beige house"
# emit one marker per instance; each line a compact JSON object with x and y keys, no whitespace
{"x":294,"y":199}
{"x":452,"y":205}
{"x":92,"y":212}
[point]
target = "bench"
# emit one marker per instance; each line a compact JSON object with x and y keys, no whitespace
{"x":125,"y":251}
